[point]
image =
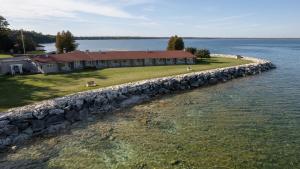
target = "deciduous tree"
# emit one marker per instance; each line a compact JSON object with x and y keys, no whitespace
{"x":65,"y":42}
{"x":175,"y":43}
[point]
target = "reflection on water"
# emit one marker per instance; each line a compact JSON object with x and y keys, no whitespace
{"x":252,"y":122}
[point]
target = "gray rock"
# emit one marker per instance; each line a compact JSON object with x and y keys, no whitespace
{"x":213,"y":81}
{"x":5,"y":142}
{"x":54,"y":119}
{"x":37,"y":125}
{"x":56,"y":111}
{"x":71,"y":116}
{"x":55,"y":129}
{"x":10,"y":130}
{"x":20,"y":124}
{"x":20,"y":138}
{"x":83,"y":115}
{"x":28,"y":131}
{"x":3,"y":123}
{"x":40,"y":114}
{"x":79,"y":104}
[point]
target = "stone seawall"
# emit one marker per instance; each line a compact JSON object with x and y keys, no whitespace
{"x":54,"y":116}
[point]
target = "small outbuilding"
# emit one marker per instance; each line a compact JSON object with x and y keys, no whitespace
{"x":17,"y":65}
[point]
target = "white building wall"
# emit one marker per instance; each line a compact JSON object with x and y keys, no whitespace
{"x":170,"y":61}
{"x":64,"y":67}
{"x":114,"y":63}
{"x":125,"y":63}
{"x":138,"y":62}
{"x":180,"y":61}
{"x":101,"y":64}
{"x":160,"y":61}
{"x":78,"y":65}
{"x":48,"y":68}
{"x":190,"y":61}
{"x":149,"y":62}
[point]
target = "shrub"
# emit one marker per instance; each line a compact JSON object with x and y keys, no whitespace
{"x":191,"y":50}
{"x":203,"y":53}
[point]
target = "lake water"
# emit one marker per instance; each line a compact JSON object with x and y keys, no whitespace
{"x":253,"y":122}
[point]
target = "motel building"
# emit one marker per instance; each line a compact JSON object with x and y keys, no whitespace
{"x":77,"y":60}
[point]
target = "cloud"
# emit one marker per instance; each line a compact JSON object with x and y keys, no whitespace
{"x":42,"y":9}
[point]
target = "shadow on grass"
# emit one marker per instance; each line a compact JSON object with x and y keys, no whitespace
{"x":14,"y":93}
{"x":208,"y":61}
{"x":76,"y":75}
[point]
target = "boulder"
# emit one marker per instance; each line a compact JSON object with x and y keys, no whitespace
{"x":3,"y":123}
{"x":56,"y":111}
{"x":5,"y":142}
{"x":20,"y":138}
{"x":40,"y":114}
{"x":21,"y":124}
{"x":10,"y":130}
{"x":37,"y":125}
{"x":79,"y":104}
{"x":54,"y":119}
{"x":55,"y":129}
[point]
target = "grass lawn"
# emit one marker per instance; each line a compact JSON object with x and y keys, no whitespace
{"x":37,"y":52}
{"x":21,"y":90}
{"x":5,"y":56}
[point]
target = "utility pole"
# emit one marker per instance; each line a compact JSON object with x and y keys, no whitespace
{"x":22,"y":37}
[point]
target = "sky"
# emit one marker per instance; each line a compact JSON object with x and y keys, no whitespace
{"x":188,"y":18}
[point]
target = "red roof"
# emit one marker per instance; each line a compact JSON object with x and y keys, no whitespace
{"x":112,"y":55}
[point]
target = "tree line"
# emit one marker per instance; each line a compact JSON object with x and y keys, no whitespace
{"x":11,"y":40}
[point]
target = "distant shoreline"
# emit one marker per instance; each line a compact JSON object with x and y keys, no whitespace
{"x":142,"y":37}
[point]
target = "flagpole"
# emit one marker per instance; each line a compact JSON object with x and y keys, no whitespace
{"x":22,"y":36}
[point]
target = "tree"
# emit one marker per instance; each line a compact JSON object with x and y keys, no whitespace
{"x":29,"y":44}
{"x":65,"y":42}
{"x":3,"y":24}
{"x":191,"y":50}
{"x":5,"y":41}
{"x":175,"y":43}
{"x":58,"y":44}
{"x":203,"y":53}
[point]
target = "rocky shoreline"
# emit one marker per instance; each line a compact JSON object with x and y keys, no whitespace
{"x":54,"y":116}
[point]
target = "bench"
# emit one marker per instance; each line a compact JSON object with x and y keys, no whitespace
{"x":91,"y":84}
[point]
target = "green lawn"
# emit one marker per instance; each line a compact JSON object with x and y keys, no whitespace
{"x":37,"y":52}
{"x":21,"y":90}
{"x":5,"y":56}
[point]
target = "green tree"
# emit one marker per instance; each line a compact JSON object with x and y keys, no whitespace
{"x":203,"y":53}
{"x":58,"y":44}
{"x":191,"y":50}
{"x":6,"y":42}
{"x":65,"y":42}
{"x":30,"y":45}
{"x":175,"y":43}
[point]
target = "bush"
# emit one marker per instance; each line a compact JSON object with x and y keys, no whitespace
{"x":191,"y":50}
{"x":203,"y":53}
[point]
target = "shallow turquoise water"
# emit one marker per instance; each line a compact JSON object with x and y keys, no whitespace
{"x":252,"y":122}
